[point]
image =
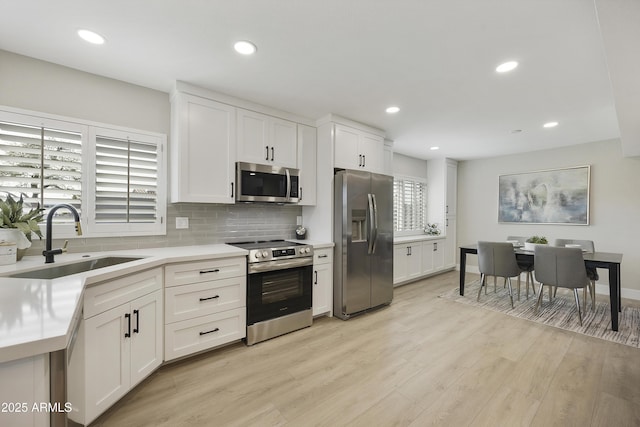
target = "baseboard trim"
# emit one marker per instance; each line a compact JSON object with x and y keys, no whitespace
{"x":600,"y":288}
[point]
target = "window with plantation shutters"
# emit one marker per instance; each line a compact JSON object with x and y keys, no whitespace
{"x":42,"y":163}
{"x":126,"y":179}
{"x":126,"y":183}
{"x":113,"y":177}
{"x":409,"y":204}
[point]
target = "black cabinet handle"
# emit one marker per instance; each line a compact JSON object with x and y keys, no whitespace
{"x":266,"y":147}
{"x":137,"y":328}
{"x":210,"y":332}
{"x":208,"y":298}
{"x":272,"y":153}
{"x":232,"y":190}
{"x":360,"y":160}
{"x":435,"y":247}
{"x":315,"y":281}
{"x":300,"y":198}
{"x":364,"y":161}
{"x":128,"y":333}
{"x":323,"y":256}
{"x":215,"y":270}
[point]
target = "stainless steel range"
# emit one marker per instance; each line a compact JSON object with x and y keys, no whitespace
{"x":279,"y":288}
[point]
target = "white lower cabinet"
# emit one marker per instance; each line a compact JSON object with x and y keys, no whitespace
{"x":24,"y":385}
{"x":322,"y":281}
{"x":432,"y":256}
{"x":416,"y":259}
{"x":205,"y":305}
{"x":451,"y":248}
{"x":407,"y":261}
{"x":116,"y":348}
{"x":202,"y":333}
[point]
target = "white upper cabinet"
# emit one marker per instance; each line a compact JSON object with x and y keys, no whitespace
{"x":307,"y":145}
{"x":267,"y":140}
{"x":388,"y":158}
{"x":372,"y":148}
{"x":203,"y":135}
{"x":358,"y":150}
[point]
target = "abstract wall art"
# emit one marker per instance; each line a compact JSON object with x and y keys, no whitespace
{"x":557,"y":196}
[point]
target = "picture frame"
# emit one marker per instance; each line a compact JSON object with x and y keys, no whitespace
{"x":552,"y":196}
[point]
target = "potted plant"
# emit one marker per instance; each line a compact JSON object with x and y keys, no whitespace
{"x":432,"y":230}
{"x":18,"y":226}
{"x":531,"y":242}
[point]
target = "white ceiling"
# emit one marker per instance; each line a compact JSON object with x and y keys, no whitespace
{"x":434,"y":59}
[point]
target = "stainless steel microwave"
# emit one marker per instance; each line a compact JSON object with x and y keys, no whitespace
{"x":264,"y":183}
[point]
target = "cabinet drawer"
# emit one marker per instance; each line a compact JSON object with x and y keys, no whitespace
{"x":190,"y":336}
{"x":322,"y":256}
{"x":204,"y":271}
{"x":107,"y":295}
{"x":200,"y":299}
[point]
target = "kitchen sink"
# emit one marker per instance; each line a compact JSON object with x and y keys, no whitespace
{"x":54,"y":272}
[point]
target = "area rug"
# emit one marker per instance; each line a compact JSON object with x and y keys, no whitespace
{"x":561,"y":313}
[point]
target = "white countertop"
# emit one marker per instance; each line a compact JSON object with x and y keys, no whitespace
{"x":416,"y":238}
{"x":38,"y":316}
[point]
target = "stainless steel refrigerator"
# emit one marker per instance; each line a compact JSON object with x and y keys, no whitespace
{"x":363,"y":236}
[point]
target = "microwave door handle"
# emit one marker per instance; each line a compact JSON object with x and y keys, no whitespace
{"x":288,"y":196}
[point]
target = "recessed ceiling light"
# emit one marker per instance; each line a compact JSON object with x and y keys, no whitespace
{"x":392,"y":110}
{"x":245,"y":47}
{"x":434,"y":148}
{"x":550,"y":124}
{"x":91,"y":37}
{"x":516,"y":131}
{"x":507,"y":66}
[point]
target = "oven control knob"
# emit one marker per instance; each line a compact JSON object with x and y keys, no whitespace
{"x":258,"y":254}
{"x":304,"y":250}
{"x":265,"y":254}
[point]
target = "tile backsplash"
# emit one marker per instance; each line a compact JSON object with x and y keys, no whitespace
{"x":208,"y":223}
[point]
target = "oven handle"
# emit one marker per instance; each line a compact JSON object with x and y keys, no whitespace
{"x":261,"y":267}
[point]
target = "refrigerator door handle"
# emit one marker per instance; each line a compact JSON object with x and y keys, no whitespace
{"x":373,"y":224}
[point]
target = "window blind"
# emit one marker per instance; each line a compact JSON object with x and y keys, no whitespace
{"x":126,"y":181}
{"x":42,"y":164}
{"x":409,"y":197}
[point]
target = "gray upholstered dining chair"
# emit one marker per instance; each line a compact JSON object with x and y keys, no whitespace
{"x":525,"y":267}
{"x":560,"y":267}
{"x":592,"y":273}
{"x":499,"y":260}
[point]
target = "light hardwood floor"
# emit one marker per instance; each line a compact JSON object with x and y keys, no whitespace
{"x":422,"y":361}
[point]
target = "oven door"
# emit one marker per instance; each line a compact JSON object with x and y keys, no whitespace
{"x":262,"y":183}
{"x":275,"y":293}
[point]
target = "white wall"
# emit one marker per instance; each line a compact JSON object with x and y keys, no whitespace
{"x":614,"y":198}
{"x":409,"y":166}
{"x":49,"y":88}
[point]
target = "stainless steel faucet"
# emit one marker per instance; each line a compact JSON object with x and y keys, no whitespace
{"x":48,"y":252}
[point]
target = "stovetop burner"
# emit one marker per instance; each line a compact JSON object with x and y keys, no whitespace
{"x":270,"y":250}
{"x":264,"y":244}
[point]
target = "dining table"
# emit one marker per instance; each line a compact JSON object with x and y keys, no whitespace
{"x":605,"y":260}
